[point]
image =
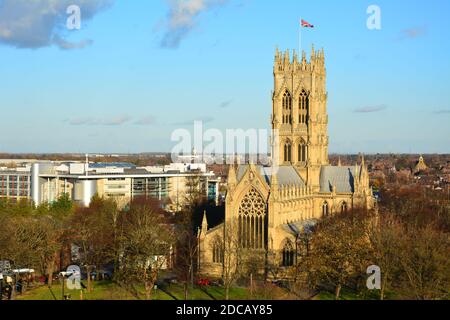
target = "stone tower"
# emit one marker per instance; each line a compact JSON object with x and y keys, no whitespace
{"x":299,"y":115}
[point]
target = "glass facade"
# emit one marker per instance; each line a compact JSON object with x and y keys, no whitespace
{"x":14,"y":185}
{"x":157,"y":188}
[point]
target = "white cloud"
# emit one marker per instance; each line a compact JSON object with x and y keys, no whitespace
{"x":67,"y":45}
{"x":226,"y":104}
{"x":370,"y":109}
{"x":41,"y":23}
{"x":204,"y":120}
{"x":183,"y":17}
{"x":442,"y":111}
{"x":413,"y":33}
{"x":90,"y":121}
{"x":146,"y":121}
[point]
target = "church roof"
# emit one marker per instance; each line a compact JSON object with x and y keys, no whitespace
{"x":420,"y":165}
{"x":287,"y":175}
{"x":299,"y":227}
{"x":342,"y":178}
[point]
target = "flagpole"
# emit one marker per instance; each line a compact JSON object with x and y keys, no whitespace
{"x":300,"y":41}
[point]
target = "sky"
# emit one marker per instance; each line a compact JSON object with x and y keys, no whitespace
{"x":138,"y":70}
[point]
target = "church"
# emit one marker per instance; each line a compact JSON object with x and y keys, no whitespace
{"x":267,"y":208}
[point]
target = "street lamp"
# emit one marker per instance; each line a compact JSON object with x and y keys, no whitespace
{"x":64,"y":275}
{"x":1,"y":286}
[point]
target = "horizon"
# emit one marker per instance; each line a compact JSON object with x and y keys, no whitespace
{"x":160,"y":153}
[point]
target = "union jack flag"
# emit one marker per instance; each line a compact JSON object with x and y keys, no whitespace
{"x":306,"y":24}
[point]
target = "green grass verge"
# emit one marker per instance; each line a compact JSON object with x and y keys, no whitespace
{"x":106,"y":290}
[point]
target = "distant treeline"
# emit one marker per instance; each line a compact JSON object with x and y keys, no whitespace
{"x":144,"y":159}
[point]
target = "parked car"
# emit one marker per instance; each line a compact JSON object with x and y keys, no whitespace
{"x":203,"y":282}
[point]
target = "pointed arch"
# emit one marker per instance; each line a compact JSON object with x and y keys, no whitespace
{"x":303,"y":106}
{"x":288,"y":254}
{"x":287,"y":100}
{"x":302,"y":151}
{"x":287,"y":107}
{"x":287,"y":152}
{"x":325,"y":209}
{"x":343,"y":207}
{"x":218,"y":251}
{"x":252,"y":220}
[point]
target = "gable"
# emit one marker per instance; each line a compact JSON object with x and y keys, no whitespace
{"x":287,"y":175}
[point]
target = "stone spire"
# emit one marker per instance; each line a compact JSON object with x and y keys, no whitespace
{"x":201,"y":232}
{"x":232,"y":176}
{"x":274,"y":188}
{"x":204,"y":222}
{"x":295,"y":58}
{"x":364,"y":172}
{"x":287,"y":58}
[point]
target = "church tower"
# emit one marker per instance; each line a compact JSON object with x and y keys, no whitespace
{"x":299,"y":115}
{"x":268,"y":208}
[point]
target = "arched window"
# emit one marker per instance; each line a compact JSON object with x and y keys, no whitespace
{"x":252,"y":221}
{"x":288,"y":152}
{"x":287,"y":101}
{"x":303,"y":107}
{"x":288,"y":254}
{"x":302,"y":152}
{"x":325,"y":209}
{"x":287,"y":108}
{"x":344,"y":207}
{"x":218,"y":254}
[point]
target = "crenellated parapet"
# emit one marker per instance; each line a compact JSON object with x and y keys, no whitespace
{"x":284,"y":62}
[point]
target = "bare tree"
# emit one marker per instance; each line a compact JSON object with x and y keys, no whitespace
{"x":424,"y":258}
{"x":147,"y":244}
{"x":233,"y":257}
{"x":340,"y":250}
{"x":186,"y":251}
{"x":187,"y":240}
{"x":31,"y":242}
{"x":385,"y":236}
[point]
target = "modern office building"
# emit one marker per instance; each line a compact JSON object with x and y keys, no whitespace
{"x":42,"y":182}
{"x":15,"y":183}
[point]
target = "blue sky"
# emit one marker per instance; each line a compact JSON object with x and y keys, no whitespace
{"x":136,"y":71}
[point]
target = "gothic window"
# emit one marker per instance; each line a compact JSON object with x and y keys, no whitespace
{"x":288,"y":254}
{"x":302,"y":152}
{"x":252,"y":220}
{"x":218,"y":254}
{"x":344,"y":207}
{"x":325,"y":209}
{"x":303,"y":108}
{"x":287,"y":108}
{"x":288,"y":152}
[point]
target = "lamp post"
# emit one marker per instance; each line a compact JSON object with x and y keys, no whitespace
{"x":64,"y":275}
{"x":1,"y":286}
{"x":63,"y":280}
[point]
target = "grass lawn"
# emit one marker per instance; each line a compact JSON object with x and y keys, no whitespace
{"x":106,"y":290}
{"x":349,"y":295}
